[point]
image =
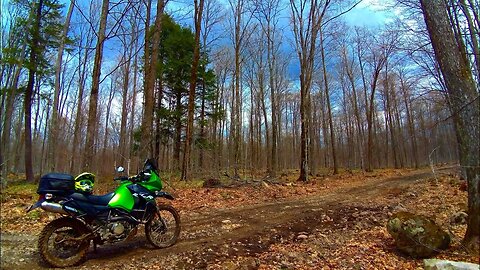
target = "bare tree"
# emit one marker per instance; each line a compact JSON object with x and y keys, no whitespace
{"x":372,"y":56}
{"x":129,"y":41}
{"x":307,"y":17}
{"x":464,"y":101}
{"x":92,"y":113}
{"x":241,"y":21}
{"x":213,"y":14}
{"x":84,"y":55}
{"x":151,"y":59}
{"x":56,"y":96}
{"x":329,"y":106}
{"x":268,"y":13}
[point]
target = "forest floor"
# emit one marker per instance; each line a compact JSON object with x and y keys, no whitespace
{"x":332,"y":222}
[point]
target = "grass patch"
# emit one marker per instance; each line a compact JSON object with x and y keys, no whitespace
{"x":194,"y":183}
{"x":23,"y":188}
{"x":34,"y":215}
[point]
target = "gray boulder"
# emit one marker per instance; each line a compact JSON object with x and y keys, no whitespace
{"x":434,"y":264}
{"x":417,"y":235}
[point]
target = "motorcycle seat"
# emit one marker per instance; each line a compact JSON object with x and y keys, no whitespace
{"x":93,"y":199}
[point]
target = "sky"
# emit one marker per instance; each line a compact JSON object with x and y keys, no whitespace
{"x":368,"y":13}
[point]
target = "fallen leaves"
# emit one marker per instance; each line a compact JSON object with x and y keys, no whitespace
{"x":350,"y":234}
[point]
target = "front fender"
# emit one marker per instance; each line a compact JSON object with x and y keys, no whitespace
{"x":163,"y":194}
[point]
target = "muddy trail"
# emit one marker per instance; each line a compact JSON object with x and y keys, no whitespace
{"x":213,"y":236}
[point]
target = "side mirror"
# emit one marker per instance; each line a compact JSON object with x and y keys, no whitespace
{"x":120,"y":169}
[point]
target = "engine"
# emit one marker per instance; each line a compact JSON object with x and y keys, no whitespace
{"x":116,"y":231}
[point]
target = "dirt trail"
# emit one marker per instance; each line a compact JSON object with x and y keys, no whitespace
{"x":215,"y":235}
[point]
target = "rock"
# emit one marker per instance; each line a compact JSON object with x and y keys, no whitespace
{"x":399,"y":208}
{"x":459,"y":218}
{"x":434,"y":264}
{"x":416,"y":235}
{"x":226,"y":221}
{"x":302,"y":237}
{"x":211,"y":183}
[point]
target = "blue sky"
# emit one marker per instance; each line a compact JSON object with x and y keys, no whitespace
{"x":369,"y":13}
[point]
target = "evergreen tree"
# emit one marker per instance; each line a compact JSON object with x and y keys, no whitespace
{"x":43,"y":26}
{"x":174,"y":71}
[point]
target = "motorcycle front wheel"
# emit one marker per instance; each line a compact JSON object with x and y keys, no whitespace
{"x":61,"y":244}
{"x":163,"y":229}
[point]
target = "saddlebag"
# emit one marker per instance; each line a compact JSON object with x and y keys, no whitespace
{"x":56,"y":184}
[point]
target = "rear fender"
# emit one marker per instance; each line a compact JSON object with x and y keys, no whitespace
{"x":36,"y":205}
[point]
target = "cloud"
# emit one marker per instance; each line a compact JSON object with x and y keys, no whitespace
{"x":371,"y":13}
{"x":375,"y":5}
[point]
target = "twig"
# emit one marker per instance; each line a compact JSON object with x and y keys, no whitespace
{"x":432,"y":166}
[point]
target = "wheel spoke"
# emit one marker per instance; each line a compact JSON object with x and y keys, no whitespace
{"x":61,"y":243}
{"x":164,"y":228}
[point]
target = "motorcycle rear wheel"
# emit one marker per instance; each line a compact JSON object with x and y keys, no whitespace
{"x":163,"y":229}
{"x":58,"y":245}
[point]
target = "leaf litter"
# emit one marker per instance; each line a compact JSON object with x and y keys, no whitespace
{"x":347,"y":232}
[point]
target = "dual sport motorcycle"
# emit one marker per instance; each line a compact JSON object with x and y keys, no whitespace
{"x":110,"y":218}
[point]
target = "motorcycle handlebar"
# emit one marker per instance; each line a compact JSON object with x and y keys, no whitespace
{"x":140,"y":177}
{"x":120,"y":178}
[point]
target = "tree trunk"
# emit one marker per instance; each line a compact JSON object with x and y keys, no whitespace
{"x":356,"y":111}
{"x":271,"y":58}
{"x":236,"y":124}
{"x":34,"y":48}
{"x":193,"y":84}
{"x":47,"y":110}
{"x":52,"y":144}
{"x":146,"y":146}
{"x":306,"y":33}
{"x":89,"y":155}
{"x":132,"y":108}
{"x":78,"y":118}
{"x":107,"y":119}
{"x":473,"y":31}
{"x":411,"y":126}
{"x":329,"y":107}
{"x":158,"y":98}
{"x":465,"y":105}
{"x":201,"y":155}
{"x":125,"y":87}
{"x":261,"y":101}
{"x":178,"y":129}
{"x":7,"y":122}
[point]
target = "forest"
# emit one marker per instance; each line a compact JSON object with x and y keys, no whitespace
{"x":244,"y":86}
{"x":249,"y":92}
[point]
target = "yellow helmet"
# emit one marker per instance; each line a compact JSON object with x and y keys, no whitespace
{"x":84,"y":182}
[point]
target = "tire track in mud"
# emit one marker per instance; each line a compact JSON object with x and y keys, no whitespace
{"x":215,"y":235}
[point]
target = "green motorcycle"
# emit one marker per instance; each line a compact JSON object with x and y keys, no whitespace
{"x":109,"y":218}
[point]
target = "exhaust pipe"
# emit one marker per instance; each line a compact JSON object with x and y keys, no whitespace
{"x":53,"y":207}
